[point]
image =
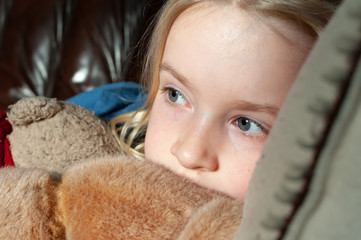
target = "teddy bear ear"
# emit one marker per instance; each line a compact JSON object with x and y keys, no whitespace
{"x":28,"y":110}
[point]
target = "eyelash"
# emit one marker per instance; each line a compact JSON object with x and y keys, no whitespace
{"x":166,"y":89}
{"x":256,"y":137}
{"x":253,"y":136}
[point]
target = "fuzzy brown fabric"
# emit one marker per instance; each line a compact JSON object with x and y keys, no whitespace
{"x":53,"y":135}
{"x":27,"y":205}
{"x":112,"y":198}
{"x":216,"y":220}
{"x":122,"y":198}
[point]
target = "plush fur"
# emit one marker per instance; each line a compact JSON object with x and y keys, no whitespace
{"x":99,"y":193}
{"x":53,"y":135}
{"x":28,"y":204}
{"x":122,"y":198}
{"x":216,"y":220}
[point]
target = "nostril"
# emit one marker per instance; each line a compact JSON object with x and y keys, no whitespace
{"x":213,"y":164}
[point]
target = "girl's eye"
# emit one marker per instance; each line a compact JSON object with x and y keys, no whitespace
{"x":176,"y":97}
{"x":249,"y":126}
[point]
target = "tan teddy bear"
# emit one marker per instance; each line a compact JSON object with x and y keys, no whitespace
{"x":96,"y":193}
{"x":53,"y":135}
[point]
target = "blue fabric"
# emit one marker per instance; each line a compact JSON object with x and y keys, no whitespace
{"x":111,"y":100}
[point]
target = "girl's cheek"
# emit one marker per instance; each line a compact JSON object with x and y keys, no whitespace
{"x":243,"y":143}
{"x":242,"y":174}
{"x":171,"y":112}
{"x":240,"y":159}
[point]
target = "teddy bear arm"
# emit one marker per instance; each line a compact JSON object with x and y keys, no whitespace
{"x":27,"y":209}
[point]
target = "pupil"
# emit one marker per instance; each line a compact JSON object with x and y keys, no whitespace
{"x":173,"y":95}
{"x":244,"y":124}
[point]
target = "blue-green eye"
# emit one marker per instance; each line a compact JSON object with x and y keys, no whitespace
{"x":176,"y":97}
{"x":249,"y":126}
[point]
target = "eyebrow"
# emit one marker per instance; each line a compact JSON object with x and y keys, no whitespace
{"x":255,"y":107}
{"x":244,"y":105}
{"x":168,"y":68}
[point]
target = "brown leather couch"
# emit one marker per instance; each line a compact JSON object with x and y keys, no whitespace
{"x":58,"y":48}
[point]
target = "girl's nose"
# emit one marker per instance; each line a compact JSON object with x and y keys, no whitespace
{"x":194,"y":149}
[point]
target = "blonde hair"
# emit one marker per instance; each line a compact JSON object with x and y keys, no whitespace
{"x":310,"y":15}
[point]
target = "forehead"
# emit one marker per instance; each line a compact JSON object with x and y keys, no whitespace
{"x":226,"y":47}
{"x":232,"y":25}
{"x":208,"y":20}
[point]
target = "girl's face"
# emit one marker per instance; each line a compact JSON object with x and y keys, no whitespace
{"x":223,"y":77}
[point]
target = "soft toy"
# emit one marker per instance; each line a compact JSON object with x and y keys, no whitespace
{"x":77,"y":185}
{"x":52,"y":135}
